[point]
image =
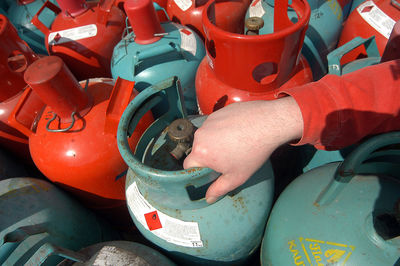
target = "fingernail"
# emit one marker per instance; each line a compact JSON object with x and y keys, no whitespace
{"x":211,"y":200}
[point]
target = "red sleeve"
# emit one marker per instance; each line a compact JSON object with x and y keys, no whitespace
{"x":339,"y":111}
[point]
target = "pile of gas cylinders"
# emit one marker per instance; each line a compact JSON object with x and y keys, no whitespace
{"x":99,"y":102}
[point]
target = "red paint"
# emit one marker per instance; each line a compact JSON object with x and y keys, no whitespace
{"x":85,"y":159}
{"x":152,"y":220}
{"x":230,"y":14}
{"x":160,"y":13}
{"x":355,"y":26}
{"x":72,"y":7}
{"x":392,"y":49}
{"x":57,"y":85}
{"x":144,"y":21}
{"x":15,"y":56}
{"x":88,"y":57}
{"x":244,"y":68}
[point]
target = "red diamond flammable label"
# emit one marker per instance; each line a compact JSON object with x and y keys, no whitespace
{"x":152,"y":220}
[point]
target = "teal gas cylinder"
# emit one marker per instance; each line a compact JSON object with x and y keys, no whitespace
{"x":322,"y":34}
{"x":34,"y":212}
{"x":153,"y":52}
{"x":340,"y":214}
{"x":113,"y":253}
{"x":21,"y":12}
{"x":321,"y":157}
{"x":167,"y":203}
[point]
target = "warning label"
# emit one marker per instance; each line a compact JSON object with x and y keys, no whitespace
{"x":256,"y":9}
{"x":188,"y":40}
{"x":72,"y":34}
{"x":183,"y":4}
{"x":170,"y":229}
{"x":307,"y":251}
{"x":375,"y":17}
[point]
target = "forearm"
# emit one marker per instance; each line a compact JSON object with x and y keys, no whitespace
{"x":339,"y":111}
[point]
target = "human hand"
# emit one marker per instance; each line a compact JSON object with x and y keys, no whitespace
{"x":237,"y":139}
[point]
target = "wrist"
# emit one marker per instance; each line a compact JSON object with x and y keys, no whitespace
{"x":283,"y":119}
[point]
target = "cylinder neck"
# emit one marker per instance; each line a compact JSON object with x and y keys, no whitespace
{"x":144,"y":21}
{"x":72,"y":8}
{"x":50,"y":78}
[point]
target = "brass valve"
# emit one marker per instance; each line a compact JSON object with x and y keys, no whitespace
{"x":253,"y":25}
{"x":181,"y":131}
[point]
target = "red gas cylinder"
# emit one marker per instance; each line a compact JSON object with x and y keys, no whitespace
{"x":15,"y":56}
{"x":74,"y":143}
{"x":229,"y":14}
{"x":162,"y":16}
{"x":83,"y":34}
{"x":372,"y":17}
{"x":245,"y":68}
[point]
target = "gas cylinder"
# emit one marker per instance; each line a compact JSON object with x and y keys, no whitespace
{"x":321,"y":157}
{"x":340,"y":214}
{"x":37,"y":212}
{"x":21,"y":12}
{"x":323,"y":29}
{"x":83,"y":35}
{"x":15,"y":56}
{"x":167,"y":203}
{"x":230,"y":14}
{"x":119,"y":253}
{"x":74,"y":141}
{"x":154,"y":52}
{"x":371,"y":18}
{"x":262,"y":65}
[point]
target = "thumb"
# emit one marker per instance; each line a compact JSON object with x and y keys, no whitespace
{"x":190,"y":161}
{"x":221,"y":186}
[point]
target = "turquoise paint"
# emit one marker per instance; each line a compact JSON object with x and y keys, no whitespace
{"x":322,"y":34}
{"x":229,"y":230}
{"x":340,"y":213}
{"x":34,"y":212}
{"x":21,"y":16}
{"x":152,"y":63}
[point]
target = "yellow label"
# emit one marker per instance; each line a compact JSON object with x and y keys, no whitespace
{"x":336,"y":8}
{"x":307,"y":251}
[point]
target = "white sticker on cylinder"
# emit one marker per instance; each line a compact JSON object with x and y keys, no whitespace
{"x":170,"y":229}
{"x":72,"y":34}
{"x":256,"y":9}
{"x":183,"y":4}
{"x":375,"y":17}
{"x":188,"y":41}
